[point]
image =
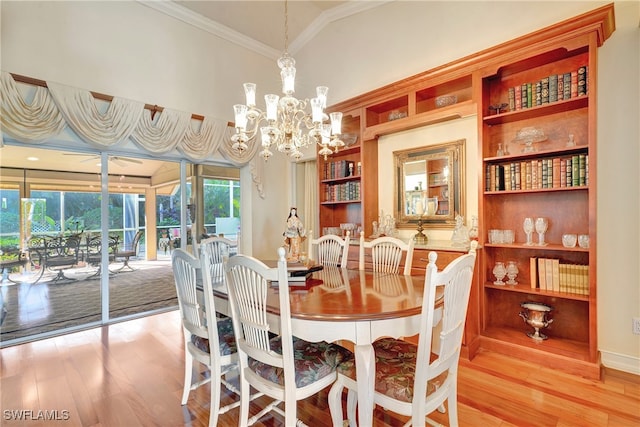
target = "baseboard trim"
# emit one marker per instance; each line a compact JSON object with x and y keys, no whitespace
{"x":620,"y":362}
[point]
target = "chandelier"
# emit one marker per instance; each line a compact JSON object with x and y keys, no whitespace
{"x":286,"y":124}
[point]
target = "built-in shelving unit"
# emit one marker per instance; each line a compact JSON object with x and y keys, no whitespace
{"x":475,"y":86}
{"x":554,"y":179}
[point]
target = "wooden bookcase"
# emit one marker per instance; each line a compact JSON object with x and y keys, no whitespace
{"x":532,"y":182}
{"x":344,"y":190}
{"x":478,"y":82}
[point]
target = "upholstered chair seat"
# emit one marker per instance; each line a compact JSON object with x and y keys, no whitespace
{"x":313,"y":361}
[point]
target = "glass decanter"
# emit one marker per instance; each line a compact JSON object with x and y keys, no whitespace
{"x":528,"y":229}
{"x":541,"y":228}
{"x":499,"y":271}
{"x":512,"y":273}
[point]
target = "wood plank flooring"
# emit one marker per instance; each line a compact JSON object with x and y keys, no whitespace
{"x":130,"y":374}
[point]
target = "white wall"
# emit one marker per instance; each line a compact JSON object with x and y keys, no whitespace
{"x":130,"y":50}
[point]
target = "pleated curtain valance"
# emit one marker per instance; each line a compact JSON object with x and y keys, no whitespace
{"x":57,"y":106}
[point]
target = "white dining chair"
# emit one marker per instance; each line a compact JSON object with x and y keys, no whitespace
{"x":213,"y":347}
{"x":271,"y":360}
{"x":386,"y":254}
{"x":217,"y":250}
{"x":330,"y":250}
{"x":414,"y":380}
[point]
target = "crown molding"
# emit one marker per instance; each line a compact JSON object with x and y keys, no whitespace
{"x":328,"y":16}
{"x":187,"y":16}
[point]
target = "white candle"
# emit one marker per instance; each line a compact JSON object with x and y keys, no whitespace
{"x":419,"y":208}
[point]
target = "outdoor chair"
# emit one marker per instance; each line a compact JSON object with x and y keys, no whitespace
{"x":129,"y":250}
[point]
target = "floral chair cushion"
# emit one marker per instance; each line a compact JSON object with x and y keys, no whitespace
{"x":395,"y":369}
{"x":313,"y":361}
{"x":225,"y":336}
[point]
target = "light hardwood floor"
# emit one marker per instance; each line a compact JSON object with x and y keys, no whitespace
{"x":130,"y":374}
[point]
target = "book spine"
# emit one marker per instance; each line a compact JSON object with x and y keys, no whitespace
{"x":518,"y":97}
{"x":507,"y":177}
{"x":574,"y":84}
{"x":512,"y":99}
{"x":542,"y":274}
{"x":555,"y":270}
{"x":534,"y":174}
{"x":499,"y":178}
{"x":537,"y":99}
{"x":529,"y":95}
{"x":582,"y":80}
{"x":560,"y":80}
{"x":533,"y":272}
{"x":545,"y":90}
{"x":539,"y":185}
{"x":575,"y":171}
{"x":523,"y":90}
{"x":566,"y":85}
{"x":556,"y":173}
{"x":553,"y":88}
{"x":563,"y":172}
{"x":582,"y":169}
{"x":545,"y":173}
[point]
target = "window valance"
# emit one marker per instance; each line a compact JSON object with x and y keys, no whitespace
{"x":57,"y":106}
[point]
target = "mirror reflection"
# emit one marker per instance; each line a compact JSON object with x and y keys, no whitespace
{"x":429,"y":184}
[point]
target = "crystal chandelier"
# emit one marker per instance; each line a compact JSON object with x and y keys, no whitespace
{"x":286,"y":123}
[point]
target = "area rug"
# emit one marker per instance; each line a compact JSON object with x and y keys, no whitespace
{"x":46,"y":306}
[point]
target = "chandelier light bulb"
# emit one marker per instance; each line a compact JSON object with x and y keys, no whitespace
{"x":250,"y":94}
{"x":272,"y":106}
{"x":316,"y":110}
{"x":288,"y":75}
{"x":240,"y":116}
{"x":321,"y":92}
{"x":336,"y":123}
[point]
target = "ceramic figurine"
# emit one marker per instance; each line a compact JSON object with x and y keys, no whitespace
{"x":294,"y":235}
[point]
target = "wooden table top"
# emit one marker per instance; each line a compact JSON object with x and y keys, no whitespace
{"x":336,"y":294}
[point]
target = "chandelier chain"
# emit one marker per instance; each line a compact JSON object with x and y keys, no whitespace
{"x":286,"y":27}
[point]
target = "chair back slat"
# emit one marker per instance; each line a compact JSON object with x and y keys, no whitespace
{"x":248,"y":281}
{"x":185,"y":273}
{"x":386,"y":254}
{"x":330,"y":250}
{"x":217,"y":250}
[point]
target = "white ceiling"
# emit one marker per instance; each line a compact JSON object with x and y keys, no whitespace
{"x":260,"y":25}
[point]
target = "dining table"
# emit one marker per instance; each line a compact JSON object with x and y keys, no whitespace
{"x":360,"y":306}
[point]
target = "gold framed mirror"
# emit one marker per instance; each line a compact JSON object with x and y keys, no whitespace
{"x":430,"y":185}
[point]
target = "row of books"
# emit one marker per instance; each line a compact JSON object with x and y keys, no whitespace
{"x":552,"y":172}
{"x":552,"y":275}
{"x":340,"y":169}
{"x":553,"y":88}
{"x":346,"y":191}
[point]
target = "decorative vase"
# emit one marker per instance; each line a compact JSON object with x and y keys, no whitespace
{"x":535,"y":315}
{"x":499,"y":271}
{"x":512,"y":273}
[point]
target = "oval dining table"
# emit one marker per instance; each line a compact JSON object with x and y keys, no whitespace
{"x":337,"y":304}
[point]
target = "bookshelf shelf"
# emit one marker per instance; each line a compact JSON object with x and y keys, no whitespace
{"x":537,"y":111}
{"x":525,"y":288}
